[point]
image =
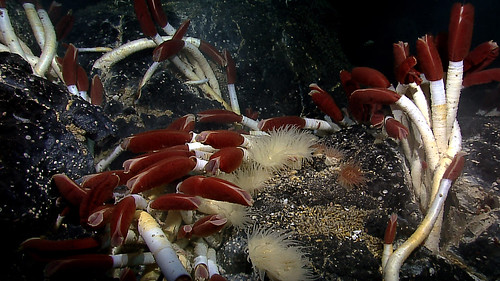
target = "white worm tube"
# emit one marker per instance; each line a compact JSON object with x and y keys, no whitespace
{"x":162,"y":249}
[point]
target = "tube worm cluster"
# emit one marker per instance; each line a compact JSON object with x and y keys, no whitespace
{"x":131,"y":200}
{"x":429,"y":134}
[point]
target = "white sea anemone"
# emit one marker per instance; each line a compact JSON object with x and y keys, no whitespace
{"x":250,"y":178}
{"x":276,"y":255}
{"x":287,"y":147}
{"x":236,"y":214}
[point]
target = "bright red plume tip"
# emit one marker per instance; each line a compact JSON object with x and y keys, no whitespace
{"x":325,"y":103}
{"x":209,"y":225}
{"x":456,"y":167}
{"x":276,"y":123}
{"x":185,"y":123}
{"x":122,"y":216}
{"x":167,"y":49}
{"x":212,"y":52}
{"x":395,"y":129}
{"x":390,"y":231}
{"x":374,"y":96}
{"x":370,"y":77}
{"x":481,"y":56}
{"x":70,"y":65}
{"x":218,"y":116}
{"x":144,"y":18}
{"x":175,"y":201}
{"x":230,"y":67}
{"x":181,"y":31}
{"x":69,"y":189}
{"x":460,"y":31}
{"x":157,"y":12}
{"x":428,"y":58}
{"x":96,"y":91}
{"x":482,"y":77}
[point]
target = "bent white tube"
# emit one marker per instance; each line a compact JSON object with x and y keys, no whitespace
{"x":49,"y":45}
{"x":124,"y":260}
{"x":429,"y":142}
{"x":399,"y":256}
{"x":233,"y":98}
{"x":162,"y":249}
{"x":104,"y":163}
{"x":453,"y":88}
{"x":8,"y":34}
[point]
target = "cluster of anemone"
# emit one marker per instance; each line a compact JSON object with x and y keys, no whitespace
{"x":277,"y":255}
{"x":348,"y":172}
{"x":287,"y":147}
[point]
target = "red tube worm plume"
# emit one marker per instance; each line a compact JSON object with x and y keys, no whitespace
{"x":460,"y":31}
{"x":208,"y":225}
{"x":252,"y":114}
{"x":219,"y":116}
{"x":227,"y":159}
{"x":230,"y":67}
{"x":64,"y":25}
{"x":325,"y":103}
{"x":89,"y":181}
{"x":217,"y":277}
{"x":185,"y":123}
{"x":185,"y":231}
{"x":155,"y":140}
{"x":212,"y":52}
{"x":81,"y":265}
{"x":201,"y":272}
{"x":348,"y":83}
{"x":69,"y":189}
{"x":96,"y":91}
{"x":122,"y":216}
{"x":101,"y":192}
{"x":482,"y":77}
{"x":220,"y":138}
{"x":144,"y":18}
{"x":143,"y":162}
{"x":216,"y":189}
{"x":428,"y":57}
{"x":82,"y":80}
{"x":482,"y":56}
{"x":374,"y":96}
{"x":390,"y":231}
{"x":44,"y":250}
{"x":100,"y":216}
{"x":70,"y":65}
{"x":404,"y":64}
{"x":127,"y":274}
{"x":370,"y":77}
{"x":157,"y":12}
{"x":456,"y":167}
{"x":401,"y":51}
{"x":181,"y":31}
{"x":161,"y":173}
{"x":377,"y":119}
{"x":167,"y":49}
{"x":351,"y":175}
{"x":55,"y":11}
{"x":175,"y":201}
{"x":277,"y":123}
{"x":395,"y":129}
